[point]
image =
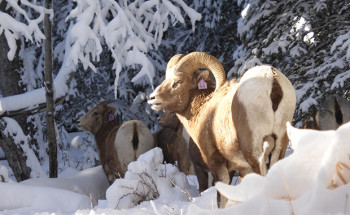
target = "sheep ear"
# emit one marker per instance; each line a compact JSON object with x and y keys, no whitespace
{"x":113,"y":106}
{"x":200,"y":79}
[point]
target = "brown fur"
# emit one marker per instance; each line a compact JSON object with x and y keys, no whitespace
{"x":218,"y":122}
{"x":172,"y":143}
{"x":276,"y":92}
{"x":200,"y":168}
{"x":96,"y":121}
{"x":332,"y":112}
{"x":170,"y":140}
{"x":169,"y":120}
{"x":129,"y":140}
{"x":206,"y":126}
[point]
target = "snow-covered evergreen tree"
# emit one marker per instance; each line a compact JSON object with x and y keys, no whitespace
{"x":307,"y":40}
{"x":98,"y":46}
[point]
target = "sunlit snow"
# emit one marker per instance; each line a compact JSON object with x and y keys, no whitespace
{"x":311,"y":180}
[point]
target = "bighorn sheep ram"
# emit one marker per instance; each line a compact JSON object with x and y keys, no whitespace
{"x":178,"y":146}
{"x":333,"y":112}
{"x":241,"y":125}
{"x":117,"y":145}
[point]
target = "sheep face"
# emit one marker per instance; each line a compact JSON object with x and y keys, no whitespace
{"x":173,"y":95}
{"x":183,"y":76}
{"x":93,"y":120}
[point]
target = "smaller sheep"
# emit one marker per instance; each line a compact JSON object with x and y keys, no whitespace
{"x":179,"y":147}
{"x":333,"y":112}
{"x":117,"y":145}
{"x":174,"y":142}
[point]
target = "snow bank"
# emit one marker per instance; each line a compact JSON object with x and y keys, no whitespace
{"x":35,"y":198}
{"x":92,"y":183}
{"x":148,"y":179}
{"x":312,"y":180}
{"x":66,"y":195}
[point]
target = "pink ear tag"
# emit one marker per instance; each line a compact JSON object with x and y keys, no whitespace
{"x":110,"y":117}
{"x":202,"y":85}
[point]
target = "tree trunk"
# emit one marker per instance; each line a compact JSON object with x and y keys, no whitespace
{"x":14,"y":155}
{"x":9,"y":85}
{"x":50,"y":102}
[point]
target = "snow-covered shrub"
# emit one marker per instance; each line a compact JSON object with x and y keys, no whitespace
{"x":78,"y":150}
{"x":148,"y":179}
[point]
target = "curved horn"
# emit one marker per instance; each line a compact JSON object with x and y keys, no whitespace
{"x":172,"y":62}
{"x":107,"y":102}
{"x":196,"y":60}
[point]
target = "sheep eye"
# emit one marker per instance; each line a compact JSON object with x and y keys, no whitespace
{"x":176,"y":83}
{"x":95,"y":114}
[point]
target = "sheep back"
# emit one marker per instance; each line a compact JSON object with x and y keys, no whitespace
{"x":132,"y":139}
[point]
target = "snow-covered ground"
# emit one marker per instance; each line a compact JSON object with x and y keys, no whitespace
{"x":311,"y":180}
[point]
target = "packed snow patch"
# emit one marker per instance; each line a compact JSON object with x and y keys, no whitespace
{"x":91,"y":182}
{"x":69,"y":194}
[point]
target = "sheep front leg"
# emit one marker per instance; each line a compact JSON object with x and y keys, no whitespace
{"x":218,"y":166}
{"x":202,"y":177}
{"x":223,"y":176}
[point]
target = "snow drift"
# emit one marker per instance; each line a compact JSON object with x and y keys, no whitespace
{"x":312,"y":180}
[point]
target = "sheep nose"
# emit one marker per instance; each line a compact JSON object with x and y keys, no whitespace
{"x":152,"y":96}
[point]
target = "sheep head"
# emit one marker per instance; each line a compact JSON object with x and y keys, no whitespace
{"x":183,"y":75}
{"x":169,"y":120}
{"x":94,"y":119}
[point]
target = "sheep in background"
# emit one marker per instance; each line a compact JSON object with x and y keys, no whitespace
{"x":178,"y":146}
{"x":241,"y":125}
{"x":174,"y":142}
{"x":332,"y":112}
{"x":117,"y":145}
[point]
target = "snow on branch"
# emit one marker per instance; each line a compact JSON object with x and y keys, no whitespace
{"x":137,"y":28}
{"x":130,"y":31}
{"x":29,"y":28}
{"x":85,"y":42}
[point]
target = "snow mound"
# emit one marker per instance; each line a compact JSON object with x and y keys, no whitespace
{"x":36,"y":198}
{"x":148,"y":179}
{"x":91,"y":182}
{"x":312,"y":180}
{"x":67,"y":195}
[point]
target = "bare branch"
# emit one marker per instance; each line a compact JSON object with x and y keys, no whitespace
{"x":182,"y":190}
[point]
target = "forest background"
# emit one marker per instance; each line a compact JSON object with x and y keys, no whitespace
{"x":105,"y":49}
